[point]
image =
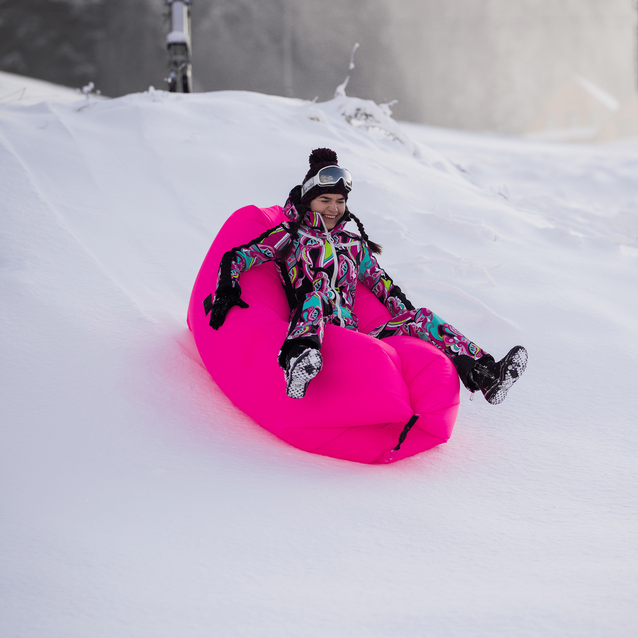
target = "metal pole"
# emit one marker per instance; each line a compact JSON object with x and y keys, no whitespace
{"x":178,"y":43}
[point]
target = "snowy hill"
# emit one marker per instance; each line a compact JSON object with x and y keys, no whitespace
{"x":137,"y":501}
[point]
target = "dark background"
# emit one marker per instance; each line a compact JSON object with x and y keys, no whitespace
{"x":483,"y":65}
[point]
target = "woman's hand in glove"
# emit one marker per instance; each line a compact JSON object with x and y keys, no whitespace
{"x":224,"y":301}
{"x":294,"y":209}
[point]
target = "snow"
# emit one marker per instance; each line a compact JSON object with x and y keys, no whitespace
{"x":27,"y":91}
{"x":177,"y":37}
{"x":137,"y":501}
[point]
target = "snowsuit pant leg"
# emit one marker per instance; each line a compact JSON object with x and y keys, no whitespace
{"x":307,"y":325}
{"x":424,"y":324}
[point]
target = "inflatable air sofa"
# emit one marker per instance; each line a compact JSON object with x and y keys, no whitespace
{"x":374,"y":401}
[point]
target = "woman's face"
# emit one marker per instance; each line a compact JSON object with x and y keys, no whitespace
{"x":331,"y":207}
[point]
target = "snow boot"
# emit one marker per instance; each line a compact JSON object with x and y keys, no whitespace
{"x":495,"y":378}
{"x":300,"y":371}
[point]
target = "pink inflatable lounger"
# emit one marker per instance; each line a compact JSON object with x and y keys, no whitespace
{"x":369,"y":389}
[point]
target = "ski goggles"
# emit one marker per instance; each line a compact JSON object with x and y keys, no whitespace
{"x":329,"y":176}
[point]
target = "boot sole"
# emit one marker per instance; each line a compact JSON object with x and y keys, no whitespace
{"x":513,"y":366}
{"x":303,"y":371}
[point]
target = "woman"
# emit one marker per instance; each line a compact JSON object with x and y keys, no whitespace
{"x":319,"y":264}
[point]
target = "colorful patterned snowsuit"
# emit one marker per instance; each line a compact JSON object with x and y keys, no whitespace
{"x":320,"y":275}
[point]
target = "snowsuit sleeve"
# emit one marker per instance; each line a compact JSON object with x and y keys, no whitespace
{"x":380,"y":283}
{"x":264,"y":248}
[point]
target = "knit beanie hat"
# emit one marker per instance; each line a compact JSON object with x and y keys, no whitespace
{"x":320,"y":158}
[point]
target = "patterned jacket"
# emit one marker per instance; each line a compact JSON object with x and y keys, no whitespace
{"x":327,"y":262}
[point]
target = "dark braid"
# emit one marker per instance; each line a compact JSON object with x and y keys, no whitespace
{"x":293,"y":230}
{"x":373,"y":246}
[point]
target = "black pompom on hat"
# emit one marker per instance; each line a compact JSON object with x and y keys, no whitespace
{"x":320,"y":158}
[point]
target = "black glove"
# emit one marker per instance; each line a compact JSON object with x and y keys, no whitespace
{"x":294,"y":202}
{"x":225,"y":299}
{"x":295,"y":196}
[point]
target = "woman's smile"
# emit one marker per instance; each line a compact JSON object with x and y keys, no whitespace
{"x":331,"y":207}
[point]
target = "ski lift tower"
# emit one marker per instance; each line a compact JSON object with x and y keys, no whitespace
{"x":178,"y":43}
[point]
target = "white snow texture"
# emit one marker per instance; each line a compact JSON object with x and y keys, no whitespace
{"x":137,"y":501}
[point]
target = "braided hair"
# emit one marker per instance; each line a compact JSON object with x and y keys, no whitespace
{"x":372,"y":246}
{"x":293,"y":230}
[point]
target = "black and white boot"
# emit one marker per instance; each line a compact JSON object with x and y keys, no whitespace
{"x":495,"y":378}
{"x":301,"y":370}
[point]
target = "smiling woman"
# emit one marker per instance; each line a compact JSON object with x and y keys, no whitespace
{"x":319,"y":263}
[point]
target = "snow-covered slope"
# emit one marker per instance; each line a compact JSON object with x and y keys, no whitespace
{"x":137,"y":501}
{"x":16,"y":89}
